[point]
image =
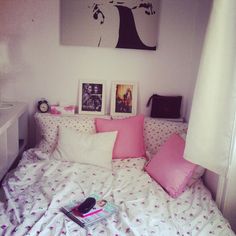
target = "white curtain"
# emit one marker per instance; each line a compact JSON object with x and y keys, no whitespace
{"x":212,"y":116}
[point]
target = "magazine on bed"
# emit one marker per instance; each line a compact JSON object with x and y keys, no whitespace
{"x":100,"y":211}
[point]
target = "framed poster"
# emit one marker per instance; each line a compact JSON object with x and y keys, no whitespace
{"x":124,"y":98}
{"x":92,"y":97}
{"x":129,"y":24}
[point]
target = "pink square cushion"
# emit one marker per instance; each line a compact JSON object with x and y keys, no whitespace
{"x":130,"y":139}
{"x":169,"y":168}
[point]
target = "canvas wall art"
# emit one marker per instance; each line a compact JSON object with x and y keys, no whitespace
{"x":131,"y":24}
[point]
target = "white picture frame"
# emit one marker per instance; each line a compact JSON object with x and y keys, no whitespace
{"x":123,"y":98}
{"x":91,"y":97}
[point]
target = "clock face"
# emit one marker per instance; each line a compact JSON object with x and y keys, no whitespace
{"x":43,"y":107}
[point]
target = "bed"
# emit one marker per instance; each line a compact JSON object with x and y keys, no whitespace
{"x":40,"y":185}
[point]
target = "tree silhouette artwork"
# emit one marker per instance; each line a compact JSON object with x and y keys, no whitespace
{"x":124,"y":24}
{"x":128,"y":35}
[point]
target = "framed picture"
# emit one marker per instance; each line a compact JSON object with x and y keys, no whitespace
{"x":92,"y":97}
{"x":124,"y":98}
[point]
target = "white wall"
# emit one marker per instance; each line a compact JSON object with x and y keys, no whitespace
{"x":44,"y":68}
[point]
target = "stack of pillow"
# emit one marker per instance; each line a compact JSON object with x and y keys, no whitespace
{"x":114,"y":139}
{"x":124,"y":138}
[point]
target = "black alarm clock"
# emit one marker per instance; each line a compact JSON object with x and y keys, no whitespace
{"x":43,"y":106}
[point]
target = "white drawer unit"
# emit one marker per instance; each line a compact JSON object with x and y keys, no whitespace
{"x":13,"y":134}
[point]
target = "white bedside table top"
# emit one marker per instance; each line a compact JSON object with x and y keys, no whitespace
{"x":8,"y":116}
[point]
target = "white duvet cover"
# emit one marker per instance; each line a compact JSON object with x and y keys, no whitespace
{"x":40,"y":186}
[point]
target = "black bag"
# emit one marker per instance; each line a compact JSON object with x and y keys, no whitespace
{"x":165,"y":106}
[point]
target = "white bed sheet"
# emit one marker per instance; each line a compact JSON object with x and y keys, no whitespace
{"x":40,"y":186}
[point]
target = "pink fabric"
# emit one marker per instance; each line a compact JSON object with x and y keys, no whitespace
{"x":59,"y":110}
{"x":169,"y":168}
{"x":130,"y":140}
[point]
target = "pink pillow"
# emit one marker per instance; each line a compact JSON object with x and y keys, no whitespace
{"x":130,"y":139}
{"x":169,"y":168}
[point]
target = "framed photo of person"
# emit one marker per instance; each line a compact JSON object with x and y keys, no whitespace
{"x":124,"y":98}
{"x":92,"y":97}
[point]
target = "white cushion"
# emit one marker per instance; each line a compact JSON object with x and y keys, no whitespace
{"x":47,"y":125}
{"x":95,"y":149}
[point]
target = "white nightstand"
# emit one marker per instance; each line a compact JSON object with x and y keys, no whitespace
{"x":13,"y":134}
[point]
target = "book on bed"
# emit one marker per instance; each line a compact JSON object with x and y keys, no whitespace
{"x":101,"y":210}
